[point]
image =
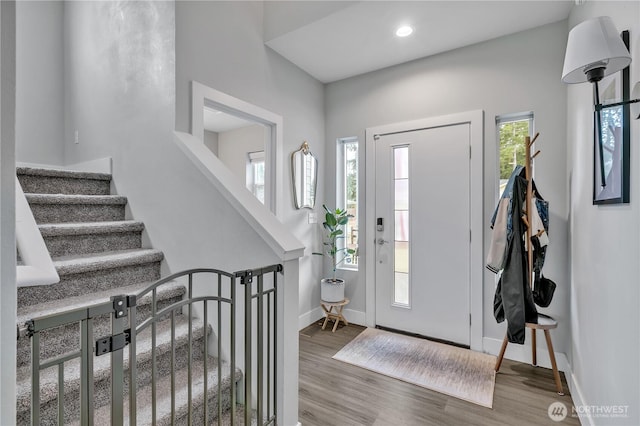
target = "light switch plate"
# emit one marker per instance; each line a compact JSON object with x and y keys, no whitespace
{"x":313,"y":217}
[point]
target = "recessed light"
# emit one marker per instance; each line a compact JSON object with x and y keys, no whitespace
{"x":404,"y":31}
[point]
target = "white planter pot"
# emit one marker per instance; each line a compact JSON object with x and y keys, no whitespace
{"x":332,"y":291}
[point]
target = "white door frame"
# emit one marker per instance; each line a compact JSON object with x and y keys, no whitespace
{"x":475,"y":119}
{"x":202,"y":96}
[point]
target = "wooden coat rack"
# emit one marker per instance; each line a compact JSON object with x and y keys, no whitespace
{"x":544,"y":323}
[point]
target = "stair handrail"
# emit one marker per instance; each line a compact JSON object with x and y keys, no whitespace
{"x":36,"y":267}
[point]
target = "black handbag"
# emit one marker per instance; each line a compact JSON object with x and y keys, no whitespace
{"x":543,"y":288}
{"x":543,"y":291}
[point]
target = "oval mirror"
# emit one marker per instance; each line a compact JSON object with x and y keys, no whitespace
{"x":304,"y":170}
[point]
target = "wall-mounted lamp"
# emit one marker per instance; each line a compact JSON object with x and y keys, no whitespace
{"x":594,"y":51}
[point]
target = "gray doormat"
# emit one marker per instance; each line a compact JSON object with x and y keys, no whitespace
{"x":453,"y":371}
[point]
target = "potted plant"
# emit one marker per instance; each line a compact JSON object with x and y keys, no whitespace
{"x":332,"y":289}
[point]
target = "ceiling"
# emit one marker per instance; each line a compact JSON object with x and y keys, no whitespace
{"x":337,"y":40}
{"x":219,"y":122}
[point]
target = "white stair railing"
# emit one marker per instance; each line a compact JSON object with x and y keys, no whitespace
{"x":36,"y":267}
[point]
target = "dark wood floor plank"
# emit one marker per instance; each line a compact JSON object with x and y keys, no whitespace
{"x":335,"y":393}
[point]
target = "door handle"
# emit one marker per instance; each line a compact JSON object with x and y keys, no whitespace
{"x":382,"y":241}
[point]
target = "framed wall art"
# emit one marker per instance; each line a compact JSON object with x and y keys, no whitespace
{"x":612,"y":133}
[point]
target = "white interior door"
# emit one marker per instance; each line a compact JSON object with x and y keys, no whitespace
{"x":423,"y":250}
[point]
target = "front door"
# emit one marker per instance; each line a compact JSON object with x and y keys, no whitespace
{"x":423,"y":232}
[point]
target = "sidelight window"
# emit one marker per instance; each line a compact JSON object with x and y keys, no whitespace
{"x":401,"y":282}
{"x":511,"y":129}
{"x":347,"y":196}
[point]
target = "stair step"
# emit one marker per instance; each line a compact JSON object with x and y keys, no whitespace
{"x":55,"y":341}
{"x":61,"y":208}
{"x":51,"y":181}
{"x":163,"y":398}
{"x":102,"y":371}
{"x":69,"y":265}
{"x":239,"y":420}
{"x":97,"y":272}
{"x":66,"y":239}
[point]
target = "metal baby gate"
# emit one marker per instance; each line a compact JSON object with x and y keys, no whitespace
{"x":211,"y":296}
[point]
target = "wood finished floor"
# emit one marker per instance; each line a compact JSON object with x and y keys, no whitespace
{"x":335,"y":393}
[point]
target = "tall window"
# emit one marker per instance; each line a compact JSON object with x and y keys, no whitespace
{"x":401,"y":254}
{"x":347,"y":195}
{"x":255,"y":174}
{"x":512,"y":129}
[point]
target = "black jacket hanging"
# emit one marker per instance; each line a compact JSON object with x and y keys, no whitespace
{"x":513,"y":300}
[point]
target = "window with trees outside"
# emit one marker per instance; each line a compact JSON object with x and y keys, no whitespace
{"x":347,"y":195}
{"x":512,"y":130}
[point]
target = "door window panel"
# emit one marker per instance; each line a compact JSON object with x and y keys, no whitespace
{"x":401,"y":287}
{"x":401,"y":260}
{"x":401,"y":250}
{"x":401,"y":162}
{"x":402,"y":194}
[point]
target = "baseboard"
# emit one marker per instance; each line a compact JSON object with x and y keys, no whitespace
{"x":353,"y":316}
{"x":309,"y":317}
{"x":522,"y":353}
{"x":39,"y":166}
{"x":578,"y":398}
{"x":101,"y":165}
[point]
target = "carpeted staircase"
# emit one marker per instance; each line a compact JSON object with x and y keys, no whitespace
{"x":98,"y":253}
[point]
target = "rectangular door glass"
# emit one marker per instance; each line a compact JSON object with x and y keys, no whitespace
{"x":402,"y":282}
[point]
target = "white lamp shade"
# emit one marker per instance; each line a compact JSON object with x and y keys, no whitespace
{"x":590,"y":43}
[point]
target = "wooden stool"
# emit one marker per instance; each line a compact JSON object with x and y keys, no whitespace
{"x":336,"y":315}
{"x":544,"y":323}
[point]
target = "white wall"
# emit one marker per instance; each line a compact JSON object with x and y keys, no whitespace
{"x":211,"y":141}
{"x":120,"y":95}
{"x":8,"y":295}
{"x":235,"y":145}
{"x":605,"y":248}
{"x":40,"y":82}
{"x":220,"y":44}
{"x":511,"y":74}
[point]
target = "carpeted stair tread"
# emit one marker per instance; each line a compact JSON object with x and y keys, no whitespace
{"x":167,"y":291}
{"x":54,"y":181}
{"x":68,"y":265}
{"x":82,"y":274}
{"x":102,"y":364}
{"x":92,"y":228}
{"x":226,"y":417}
{"x":69,"y":239}
{"x":67,"y":208}
{"x":67,"y":199}
{"x":35,"y":171}
{"x":163,"y":397}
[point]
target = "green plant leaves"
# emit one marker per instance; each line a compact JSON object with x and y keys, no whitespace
{"x":334,"y":219}
{"x":331,"y":219}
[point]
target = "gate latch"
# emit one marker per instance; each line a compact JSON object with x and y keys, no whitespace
{"x":113,"y":343}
